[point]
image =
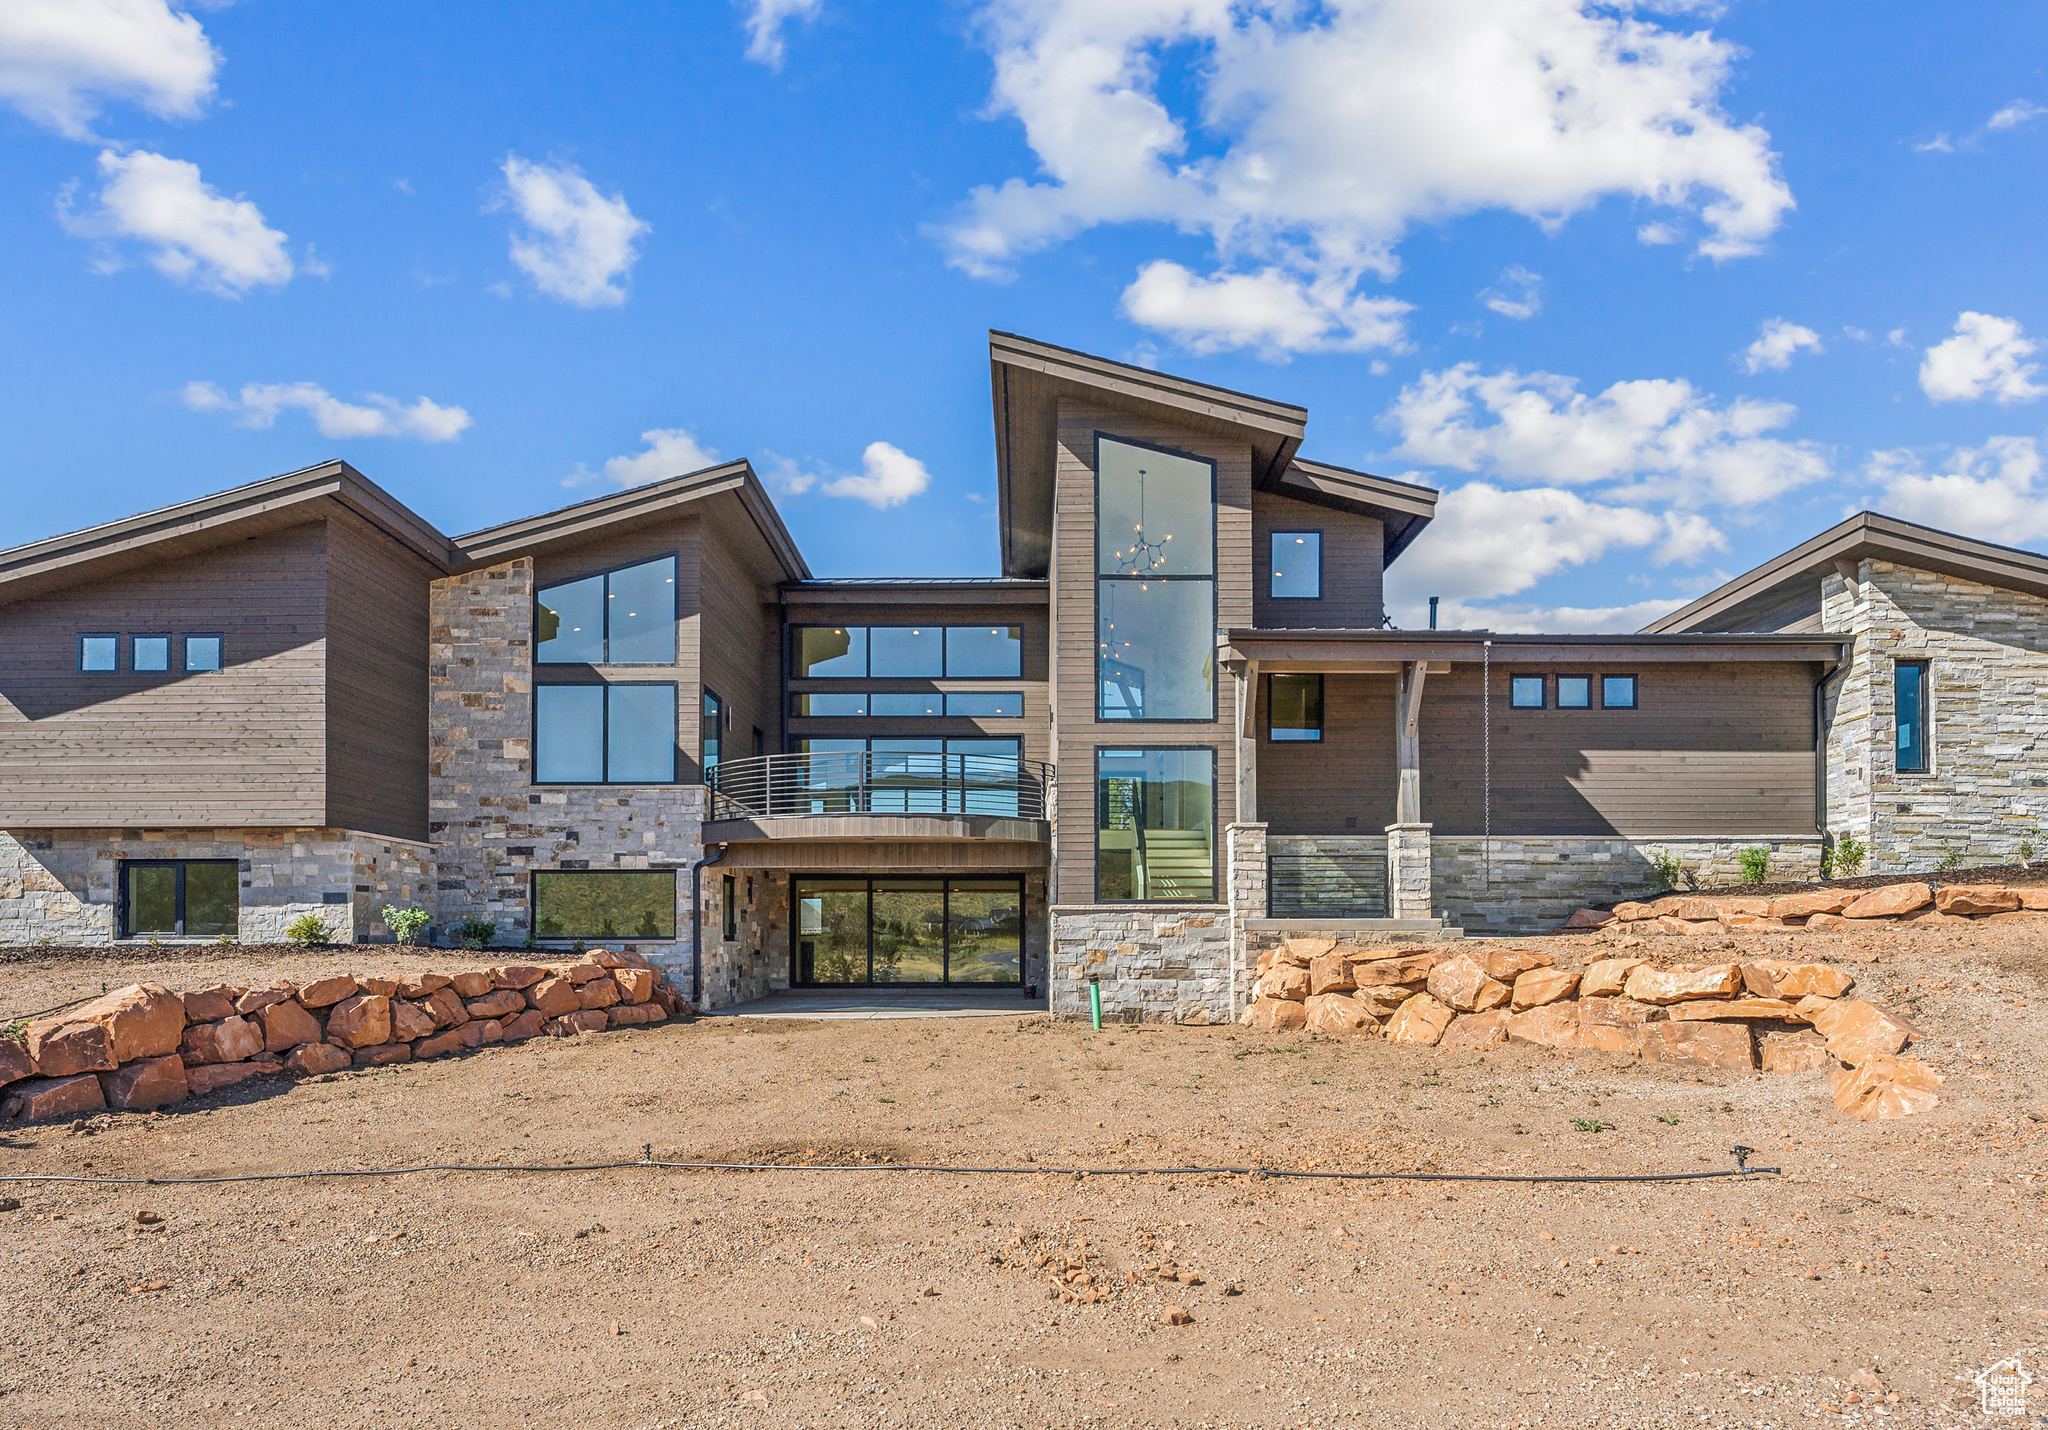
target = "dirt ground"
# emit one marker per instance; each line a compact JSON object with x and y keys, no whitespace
{"x":1889,"y":1259}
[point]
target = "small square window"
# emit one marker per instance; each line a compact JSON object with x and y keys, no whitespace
{"x":1525,"y":692}
{"x":1297,"y":565}
{"x":1617,"y":692}
{"x":1294,"y":707}
{"x":1574,"y":692}
{"x":99,"y":653}
{"x":149,"y":653}
{"x":202,"y":653}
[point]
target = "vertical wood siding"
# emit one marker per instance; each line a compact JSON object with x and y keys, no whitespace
{"x":376,"y":682}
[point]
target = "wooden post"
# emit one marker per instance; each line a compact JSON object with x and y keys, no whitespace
{"x":1248,"y":743}
{"x":1408,"y":742}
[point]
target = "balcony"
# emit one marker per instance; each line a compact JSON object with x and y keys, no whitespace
{"x":879,"y":796}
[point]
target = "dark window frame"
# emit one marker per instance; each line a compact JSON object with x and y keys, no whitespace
{"x":604,"y":736}
{"x":170,"y":640}
{"x":946,"y":630}
{"x":1272,"y":536}
{"x":1322,"y":712}
{"x":534,"y":876}
{"x":1097,"y":578}
{"x":1216,"y":870}
{"x":729,"y":920}
{"x":123,"y":915}
{"x":1635,"y":689}
{"x":1924,"y":726}
{"x":796,"y":882}
{"x":84,"y":636}
{"x":1542,"y":687}
{"x":185,"y":644}
{"x":867,"y":671}
{"x":709,"y":700}
{"x":608,"y":572}
{"x":1558,"y":697}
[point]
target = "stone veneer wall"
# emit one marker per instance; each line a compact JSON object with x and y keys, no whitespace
{"x":1410,"y":891}
{"x":1536,"y":883}
{"x":1987,"y":650}
{"x":492,"y":824}
{"x":756,"y":962}
{"x":1157,"y":963}
{"x":58,"y":886}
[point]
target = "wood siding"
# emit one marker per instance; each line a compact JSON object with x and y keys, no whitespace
{"x":1344,"y":783}
{"x":1354,"y":549}
{"x":239,"y":747}
{"x":376,"y":682}
{"x":1076,"y":732}
{"x":736,"y":627}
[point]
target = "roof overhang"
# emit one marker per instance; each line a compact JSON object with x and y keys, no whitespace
{"x":193,"y":527}
{"x":730,"y":489}
{"x":1403,"y":508}
{"x":916,"y":592}
{"x":1027,"y":379}
{"x":1866,"y":534}
{"x":1362,"y":652}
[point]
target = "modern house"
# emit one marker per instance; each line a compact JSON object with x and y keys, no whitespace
{"x":1177,"y":718}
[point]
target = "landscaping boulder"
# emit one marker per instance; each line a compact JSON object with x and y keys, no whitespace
{"x":314,"y":1058}
{"x":287,"y":1025}
{"x":257,"y":999}
{"x":1709,"y":1009}
{"x":1463,"y":983}
{"x":230,"y":1040}
{"x":326,"y":992}
{"x":143,"y":1020}
{"x":1802,"y":1051}
{"x":517,"y":976}
{"x":556,"y":996}
{"x":378,"y":987}
{"x":1631,"y":911}
{"x":1670,"y":923}
{"x":1327,"y":1013}
{"x":409,"y":1021}
{"x":474,"y":983}
{"x":1554,"y":1025}
{"x":1383,"y":999}
{"x":598,"y":993}
{"x":1476,"y":1032}
{"x":1700,"y":1045}
{"x":1607,"y":977}
{"x":60,"y":1047}
{"x":1282,"y":981}
{"x":146,"y":1083}
{"x":499,"y":1003}
{"x":1538,"y":986}
{"x":212,"y":1077}
{"x":586,"y":1020}
{"x":211,"y":1004}
{"x":1508,"y":964}
{"x":1274,"y":1015}
{"x":15,"y":1063}
{"x":526,"y":1025}
{"x":636,"y":985}
{"x":1883,"y":1086}
{"x":1776,"y":978}
{"x":1671,"y":985}
{"x":45,"y":1097}
{"x":489,"y":1030}
{"x":446,"y":1006}
{"x":419,"y":986}
{"x":1857,"y":1031}
{"x":361,"y":1020}
{"x":1890,"y":901}
{"x":1825,"y":921}
{"x":1614,"y":1025}
{"x":1811,"y":902}
{"x":581,"y":973}
{"x":1420,"y":1020}
{"x":1974,"y":900}
{"x":1589,"y":919}
{"x":383,"y":1055}
{"x":455,"y":1040}
{"x":1301,"y":952}
{"x":1329,"y":974}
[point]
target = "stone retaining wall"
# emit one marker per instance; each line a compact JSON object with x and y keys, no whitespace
{"x":1155,"y":963}
{"x":144,"y":1047}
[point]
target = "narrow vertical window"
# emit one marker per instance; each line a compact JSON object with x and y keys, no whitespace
{"x":730,"y":930}
{"x":1155,"y":588}
{"x":713,"y":734}
{"x":1297,"y":572}
{"x":1909,"y":695}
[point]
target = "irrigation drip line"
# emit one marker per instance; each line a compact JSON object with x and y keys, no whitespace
{"x":1741,"y":1169}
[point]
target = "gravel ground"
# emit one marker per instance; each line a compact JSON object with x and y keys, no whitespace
{"x":1889,"y":1259}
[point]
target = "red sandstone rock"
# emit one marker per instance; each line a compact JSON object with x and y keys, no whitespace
{"x":1284,"y":981}
{"x":1420,"y":1020}
{"x":143,"y":1020}
{"x":409,"y":1021}
{"x":553,"y":996}
{"x":1476,"y":1032}
{"x":1630,"y":912}
{"x":636,"y":985}
{"x":1329,"y":974}
{"x":212,"y":1077}
{"x":525,"y":1026}
{"x":287,"y":1025}
{"x":212,"y":1003}
{"x":1883,"y":1086}
{"x":1817,"y":922}
{"x":581,"y":973}
{"x":1813,"y":901}
{"x":473,"y":983}
{"x":1708,"y":1009}
{"x":314,"y":1058}
{"x":1554,"y":1025}
{"x":1776,"y":978}
{"x":1973,"y":900}
{"x":257,"y":999}
{"x":1654,"y":985}
{"x":1463,"y":983}
{"x":61,"y":1047}
{"x":490,"y":1030}
{"x":1589,"y":919}
{"x":146,"y":1083}
{"x":607,"y":958}
{"x":584,"y":1020}
{"x":15,"y":1063}
{"x":1615,"y":1025}
{"x":419,"y":986}
{"x":362,"y":1020}
{"x":43,"y":1097}
{"x":623,"y":1015}
{"x":1799,"y":1052}
{"x":1275,"y":1015}
{"x":446,"y":1006}
{"x":1407,"y":968}
{"x":501,"y":1003}
{"x":1301,"y":952}
{"x":377,"y":987}
{"x":1338,"y":1013}
{"x":326,"y":992}
{"x":1543,"y":985}
{"x":518,"y":976}
{"x":383,"y":1054}
{"x":598,"y":993}
{"x":1508,"y":964}
{"x":1857,"y":1031}
{"x":1700,"y":1045}
{"x":1890,"y":901}
{"x":455,"y":1040}
{"x":1607,"y":977}
{"x":230,"y":1040}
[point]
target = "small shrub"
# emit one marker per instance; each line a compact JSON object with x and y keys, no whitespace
{"x":1827,"y":861}
{"x":226,"y":940}
{"x":1591,"y":1124}
{"x":16,"y":1032}
{"x":1669,"y":1119}
{"x":406,"y":924}
{"x":1755,"y":862}
{"x":2030,"y":845}
{"x":1849,"y":852}
{"x":476,"y":933}
{"x":1951,"y":859}
{"x":307,"y":930}
{"x":1667,"y":868}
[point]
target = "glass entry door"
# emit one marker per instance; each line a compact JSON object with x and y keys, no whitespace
{"x":903,"y":931}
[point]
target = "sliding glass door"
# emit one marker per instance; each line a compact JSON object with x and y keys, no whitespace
{"x":901,"y":931}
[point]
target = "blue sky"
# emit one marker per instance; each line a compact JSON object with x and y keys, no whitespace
{"x":1651,"y":293}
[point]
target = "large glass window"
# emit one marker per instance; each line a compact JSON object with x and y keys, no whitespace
{"x":198,"y":898}
{"x":989,"y":704}
{"x":895,"y":704}
{"x":978,"y":651}
{"x":836,"y":703}
{"x":604,"y":734}
{"x":912,"y":776}
{"x":1294,"y":707}
{"x":906,"y":650}
{"x":1297,"y":565}
{"x":827,"y":651}
{"x":909,"y":930}
{"x":604,"y":903}
{"x":1909,"y":697}
{"x":1155,"y":824}
{"x":1155,"y":590}
{"x":623,"y":617}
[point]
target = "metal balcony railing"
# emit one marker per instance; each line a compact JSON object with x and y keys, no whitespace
{"x":877,"y":782}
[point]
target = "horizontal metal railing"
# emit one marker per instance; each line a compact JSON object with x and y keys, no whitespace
{"x":877,"y":782}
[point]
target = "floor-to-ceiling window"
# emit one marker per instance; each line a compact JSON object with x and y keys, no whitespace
{"x":1155,"y":824}
{"x":908,"y":930}
{"x":1155,"y":583}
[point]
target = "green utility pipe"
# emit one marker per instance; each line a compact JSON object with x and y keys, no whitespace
{"x":1095,"y":1002}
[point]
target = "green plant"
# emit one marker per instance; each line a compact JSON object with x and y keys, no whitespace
{"x":475,"y":933}
{"x":406,"y":924}
{"x":307,"y":930}
{"x":1591,"y":1124}
{"x":1755,"y":862}
{"x":2030,"y":845}
{"x":1668,"y":870}
{"x":1669,"y":1119}
{"x":1849,"y":852}
{"x":16,"y":1032}
{"x":1827,"y":861}
{"x":1951,"y":858}
{"x":226,"y":940}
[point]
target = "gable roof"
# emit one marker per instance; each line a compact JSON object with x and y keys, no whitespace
{"x":1776,"y":583}
{"x":1403,"y":508}
{"x":192,"y":527}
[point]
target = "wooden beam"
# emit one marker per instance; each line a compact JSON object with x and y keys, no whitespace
{"x":1247,"y":682}
{"x":1408,"y":742}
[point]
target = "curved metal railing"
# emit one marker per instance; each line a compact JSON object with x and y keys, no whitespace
{"x":877,"y":782}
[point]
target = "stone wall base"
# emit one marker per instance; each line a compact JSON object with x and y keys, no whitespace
{"x":1155,"y":963}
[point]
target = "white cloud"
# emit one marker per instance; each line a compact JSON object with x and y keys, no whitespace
{"x":1985,"y":358}
{"x":2019,"y":112}
{"x":1271,"y":311}
{"x":1777,"y":340}
{"x":1516,"y":616}
{"x":1656,"y":233}
{"x":889,"y":477}
{"x":1317,"y":136}
{"x":1939,"y":144}
{"x":578,"y":245}
{"x":1993,"y":491}
{"x":198,"y":235}
{"x":667,"y":452}
{"x":1488,"y":541}
{"x":258,"y":405}
{"x":765,"y":20}
{"x":1515,"y":295}
{"x":61,"y":59}
{"x":1661,"y":438}
{"x":784,"y":476}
